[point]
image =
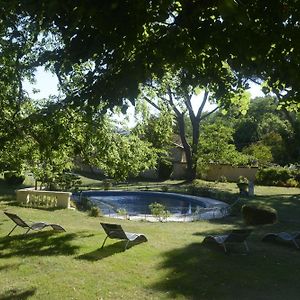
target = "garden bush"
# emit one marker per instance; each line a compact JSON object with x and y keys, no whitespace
{"x":95,"y":211}
{"x":278,"y":176}
{"x":206,"y":191}
{"x":13,"y":178}
{"x":165,"y":169}
{"x":84,"y":204}
{"x":107,"y":184}
{"x":258,"y":215}
{"x":223,"y":179}
{"x":159,"y":211}
{"x":292,"y":182}
{"x":64,"y":182}
{"x":165,"y":188}
{"x":122,"y":212}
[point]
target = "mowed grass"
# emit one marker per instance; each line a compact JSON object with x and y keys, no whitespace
{"x":173,"y":264}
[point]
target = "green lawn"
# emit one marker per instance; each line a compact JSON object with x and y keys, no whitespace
{"x":173,"y":264}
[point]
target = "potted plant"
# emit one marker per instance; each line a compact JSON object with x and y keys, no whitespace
{"x":242,"y":184}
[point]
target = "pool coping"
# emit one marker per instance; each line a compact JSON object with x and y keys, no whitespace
{"x":209,"y":202}
{"x":212,"y":209}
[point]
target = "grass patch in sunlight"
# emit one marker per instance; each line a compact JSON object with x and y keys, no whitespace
{"x":172,"y":264}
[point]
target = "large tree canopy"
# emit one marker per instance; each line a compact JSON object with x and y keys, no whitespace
{"x":116,"y":45}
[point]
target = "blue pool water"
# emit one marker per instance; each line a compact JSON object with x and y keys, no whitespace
{"x":137,"y":203}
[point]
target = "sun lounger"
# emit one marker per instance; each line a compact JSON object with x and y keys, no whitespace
{"x":283,"y":236}
{"x":115,"y":231}
{"x":34,"y":226}
{"x":235,"y":236}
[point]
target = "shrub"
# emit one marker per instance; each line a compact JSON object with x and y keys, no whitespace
{"x":123,"y":213}
{"x":199,"y":190}
{"x":95,"y":211}
{"x":296,"y":172}
{"x":65,"y":182}
{"x":223,"y":178}
{"x":262,"y":153}
{"x":206,"y":191}
{"x":243,"y":179}
{"x":13,"y":178}
{"x":85,"y":203}
{"x":159,"y":211}
{"x":165,"y":188}
{"x":277,"y":176}
{"x":292,"y":183}
{"x":107,"y":184}
{"x":259,"y":215}
{"x":164,"y":169}
{"x":70,"y":181}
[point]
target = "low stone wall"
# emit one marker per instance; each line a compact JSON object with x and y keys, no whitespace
{"x":40,"y":198}
{"x":232,"y":173}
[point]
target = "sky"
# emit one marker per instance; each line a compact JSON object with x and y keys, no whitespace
{"x":47,"y":84}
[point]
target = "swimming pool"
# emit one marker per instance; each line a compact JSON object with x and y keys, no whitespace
{"x":136,"y":204}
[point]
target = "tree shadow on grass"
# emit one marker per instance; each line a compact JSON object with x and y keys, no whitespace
{"x":54,"y":208}
{"x":40,"y":243}
{"x":8,"y":200}
{"x":8,"y":191}
{"x":17,"y":295}
{"x":102,"y":253}
{"x":9,"y":266}
{"x":200,"y":271}
{"x":283,"y":244}
{"x":107,"y":251}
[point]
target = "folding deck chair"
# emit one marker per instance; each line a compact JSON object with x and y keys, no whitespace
{"x":283,"y":236}
{"x":34,"y":226}
{"x":115,"y":231}
{"x":235,"y":236}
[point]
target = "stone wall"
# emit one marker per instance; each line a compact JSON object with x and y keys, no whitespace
{"x":40,"y":198}
{"x":232,"y":173}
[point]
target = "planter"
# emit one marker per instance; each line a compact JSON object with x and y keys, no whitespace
{"x":243,"y":187}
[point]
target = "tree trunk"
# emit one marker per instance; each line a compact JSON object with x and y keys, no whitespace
{"x":189,"y":153}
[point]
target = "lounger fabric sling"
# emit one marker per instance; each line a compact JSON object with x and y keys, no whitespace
{"x":235,"y":236}
{"x":34,"y":226}
{"x":283,"y":236}
{"x":115,"y":231}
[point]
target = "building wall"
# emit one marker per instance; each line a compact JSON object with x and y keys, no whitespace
{"x":177,"y":154}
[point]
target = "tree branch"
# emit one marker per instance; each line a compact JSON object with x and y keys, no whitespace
{"x":209,"y":113}
{"x":188,"y":104}
{"x":152,"y":103}
{"x":19,"y":84}
{"x":171,"y":101}
{"x":205,"y":97}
